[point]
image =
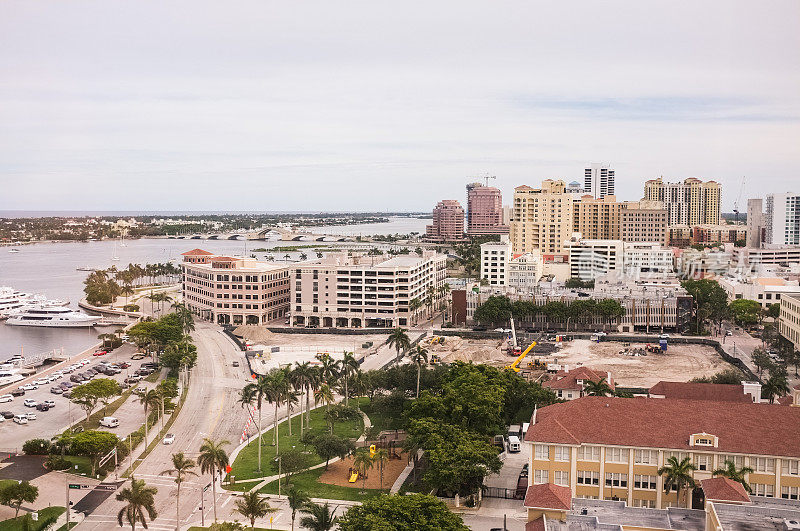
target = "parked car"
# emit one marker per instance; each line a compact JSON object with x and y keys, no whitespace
{"x":77,"y":378}
{"x":31,"y":416}
{"x":132,"y":379}
{"x":50,"y":403}
{"x":57,"y":390}
{"x":30,"y":387}
{"x":124,"y":365}
{"x":41,"y":381}
{"x":7,"y":414}
{"x":169,"y":438}
{"x":21,"y":419}
{"x":138,"y":356}
{"x":67,"y":385}
{"x":18,"y":392}
{"x":6,"y":398}
{"x":30,"y":402}
{"x":235,"y":363}
{"x":42,"y":407}
{"x":67,"y":393}
{"x":109,"y":422}
{"x":100,"y":353}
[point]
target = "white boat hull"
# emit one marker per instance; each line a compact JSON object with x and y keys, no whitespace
{"x":67,"y":323}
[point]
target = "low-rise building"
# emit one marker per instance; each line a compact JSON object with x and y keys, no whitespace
{"x":789,"y":320}
{"x":646,"y":259}
{"x":525,"y":271}
{"x":711,"y":234}
{"x":764,"y":290}
{"x":643,"y":221}
{"x":341,"y":291}
{"x":748,"y":392}
{"x":589,"y":259}
{"x":571,"y":384}
{"x":769,"y":254}
{"x":234,"y":290}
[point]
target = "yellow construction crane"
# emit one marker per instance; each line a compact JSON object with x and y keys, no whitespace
{"x":514,"y":366}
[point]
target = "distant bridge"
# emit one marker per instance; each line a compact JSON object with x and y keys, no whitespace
{"x":273,"y":233}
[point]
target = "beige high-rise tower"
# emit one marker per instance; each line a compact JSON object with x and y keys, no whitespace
{"x":541,"y":218}
{"x":692,"y":202}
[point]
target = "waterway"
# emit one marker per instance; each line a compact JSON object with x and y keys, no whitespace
{"x":51,"y":269}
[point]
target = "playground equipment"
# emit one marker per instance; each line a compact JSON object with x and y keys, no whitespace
{"x":371,"y":451}
{"x":353,"y":475}
{"x":514,"y":366}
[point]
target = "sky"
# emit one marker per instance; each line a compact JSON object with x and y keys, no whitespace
{"x":387,"y":106}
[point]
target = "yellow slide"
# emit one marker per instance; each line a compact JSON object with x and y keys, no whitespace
{"x":353,"y":477}
{"x":521,"y":357}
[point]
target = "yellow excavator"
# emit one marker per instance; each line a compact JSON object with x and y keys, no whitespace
{"x":514,"y":366}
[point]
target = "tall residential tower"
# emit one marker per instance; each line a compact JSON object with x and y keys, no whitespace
{"x":598,"y":180}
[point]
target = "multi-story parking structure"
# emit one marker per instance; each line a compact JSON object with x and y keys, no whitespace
{"x":341,"y":291}
{"x":234,"y":290}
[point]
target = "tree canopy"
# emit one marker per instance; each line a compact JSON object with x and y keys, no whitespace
{"x":417,"y":512}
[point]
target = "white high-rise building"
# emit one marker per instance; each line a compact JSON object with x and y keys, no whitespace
{"x":598,"y":180}
{"x":782,"y":219}
{"x":495,"y":259}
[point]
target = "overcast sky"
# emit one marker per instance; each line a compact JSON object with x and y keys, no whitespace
{"x":378,"y":105}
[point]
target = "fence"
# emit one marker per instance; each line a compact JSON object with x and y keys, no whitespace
{"x":501,"y":492}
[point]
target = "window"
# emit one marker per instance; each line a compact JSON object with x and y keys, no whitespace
{"x":790,"y":493}
{"x":680,"y":456}
{"x":737,"y":460}
{"x":759,"y":489}
{"x":763,"y":464}
{"x":585,"y":477}
{"x":651,"y":504}
{"x":702,"y":462}
{"x":562,"y":453}
{"x":644,"y":482}
{"x":616,"y":480}
{"x":616,"y":455}
{"x":791,"y":467}
{"x":561,"y":477}
{"x":589,"y":453}
{"x":645,"y":457}
{"x":542,"y":452}
{"x":540,"y":476}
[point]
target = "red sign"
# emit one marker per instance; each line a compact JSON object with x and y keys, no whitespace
{"x":228,"y":469}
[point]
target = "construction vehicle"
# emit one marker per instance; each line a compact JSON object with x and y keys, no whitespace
{"x":514,"y":366}
{"x":537,"y":364}
{"x":653,"y":349}
{"x":434,"y":359}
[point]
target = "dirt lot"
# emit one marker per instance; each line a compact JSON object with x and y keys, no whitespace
{"x":337,"y":473}
{"x":679,"y":364}
{"x":486,"y":351}
{"x":260,"y":335}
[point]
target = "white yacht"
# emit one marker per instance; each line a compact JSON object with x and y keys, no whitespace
{"x":9,"y":373}
{"x":52,"y":316}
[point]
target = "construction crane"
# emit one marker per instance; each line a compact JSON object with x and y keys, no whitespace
{"x":736,"y":203}
{"x":485,"y":177}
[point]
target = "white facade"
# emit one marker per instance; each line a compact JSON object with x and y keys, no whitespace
{"x":598,"y":180}
{"x":763,"y":290}
{"x":495,"y":260}
{"x":769,"y":255}
{"x":589,"y":259}
{"x":782,"y":219}
{"x":525,"y":271}
{"x":340,"y":291}
{"x":644,"y":258}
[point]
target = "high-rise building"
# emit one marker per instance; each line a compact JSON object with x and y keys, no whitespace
{"x":598,"y":180}
{"x":448,"y":222}
{"x":495,"y":259}
{"x":484,"y":210}
{"x":541,"y":218}
{"x":643,"y":221}
{"x":782,"y":221}
{"x":755,"y":222}
{"x":597,"y":219}
{"x":691,"y":202}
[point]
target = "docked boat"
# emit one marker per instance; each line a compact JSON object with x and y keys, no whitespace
{"x":9,"y":373}
{"x":13,"y":250}
{"x":52,"y":316}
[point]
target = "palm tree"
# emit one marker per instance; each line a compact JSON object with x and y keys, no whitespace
{"x":598,"y":388}
{"x":149,"y":400}
{"x":320,"y":517}
{"x":399,"y":340}
{"x":348,"y":364}
{"x":297,"y":500}
{"x":414,"y":305}
{"x":329,"y":368}
{"x":363,"y":462}
{"x":419,"y":356}
{"x":257,"y":392}
{"x":213,"y":460}
{"x":678,"y":475}
{"x":138,"y":500}
{"x":775,"y":387}
{"x":325,"y":395}
{"x":253,"y":506}
{"x":302,"y":376}
{"x":181,"y":467}
{"x":731,"y":472}
{"x":380,"y":458}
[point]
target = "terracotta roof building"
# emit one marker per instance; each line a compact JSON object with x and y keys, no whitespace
{"x":570,"y":385}
{"x":747,"y":392}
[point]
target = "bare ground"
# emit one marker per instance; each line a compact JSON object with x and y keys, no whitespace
{"x":337,"y":473}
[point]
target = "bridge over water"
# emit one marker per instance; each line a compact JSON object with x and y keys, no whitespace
{"x":274,"y":233}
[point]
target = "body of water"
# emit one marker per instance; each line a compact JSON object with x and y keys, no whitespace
{"x":51,"y":269}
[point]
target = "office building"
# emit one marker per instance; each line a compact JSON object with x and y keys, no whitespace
{"x":643,"y":221}
{"x":782,"y":219}
{"x":598,"y":180}
{"x":768,"y":254}
{"x":648,"y":259}
{"x":495,"y":260}
{"x":611,"y":448}
{"x":763,"y":290}
{"x":525,"y":271}
{"x":448,"y":222}
{"x":589,"y":259}
{"x":691,"y":202}
{"x":234,"y":290}
{"x":541,"y":219}
{"x":789,"y":320}
{"x":484,"y":210}
{"x":341,"y":291}
{"x":597,"y":219}
{"x":755,"y":222}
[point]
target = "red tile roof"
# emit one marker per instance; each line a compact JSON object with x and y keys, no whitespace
{"x":569,"y":379}
{"x":668,"y":423}
{"x":224,"y":259}
{"x":701,"y":391}
{"x":536,"y":525}
{"x":548,"y":496}
{"x":197,"y":252}
{"x":724,"y":489}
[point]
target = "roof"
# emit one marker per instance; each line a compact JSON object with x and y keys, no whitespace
{"x":770,"y":281}
{"x":197,"y":252}
{"x":569,"y":379}
{"x":225,"y":259}
{"x":668,"y":423}
{"x":548,"y":496}
{"x":724,"y":489}
{"x":701,"y":391}
{"x":536,"y":525}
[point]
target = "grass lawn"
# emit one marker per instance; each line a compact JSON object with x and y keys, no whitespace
{"x":47,"y":517}
{"x":384,"y":422}
{"x":84,"y":465}
{"x":246,"y":463}
{"x":309,"y":483}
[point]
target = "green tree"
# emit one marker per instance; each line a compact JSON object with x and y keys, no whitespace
{"x":263,"y":389}
{"x":138,"y":499}
{"x":291,"y":462}
{"x":182,"y":467}
{"x":776,"y":386}
{"x":98,"y":390}
{"x":213,"y":460}
{"x":419,"y":356}
{"x":325,"y":395}
{"x":14,"y":494}
{"x":710,"y":301}
{"x":773,"y":310}
{"x":736,"y":474}
{"x":149,"y":399}
{"x":251,"y":505}
{"x":297,"y":500}
{"x":399,"y":340}
{"x":94,"y":444}
{"x":380,"y":458}
{"x":745,"y":312}
{"x":496,"y":309}
{"x":410,"y":512}
{"x":760,"y":359}
{"x":362,"y":462}
{"x":329,"y":445}
{"x":320,"y":517}
{"x":678,"y":476}
{"x":598,"y":388}
{"x":348,"y":365}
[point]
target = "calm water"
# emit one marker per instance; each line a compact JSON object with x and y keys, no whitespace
{"x":51,"y":269}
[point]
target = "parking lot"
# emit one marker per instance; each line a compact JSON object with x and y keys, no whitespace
{"x":63,"y":413}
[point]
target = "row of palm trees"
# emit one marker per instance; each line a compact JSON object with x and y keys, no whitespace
{"x":678,"y":476}
{"x":139,"y":498}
